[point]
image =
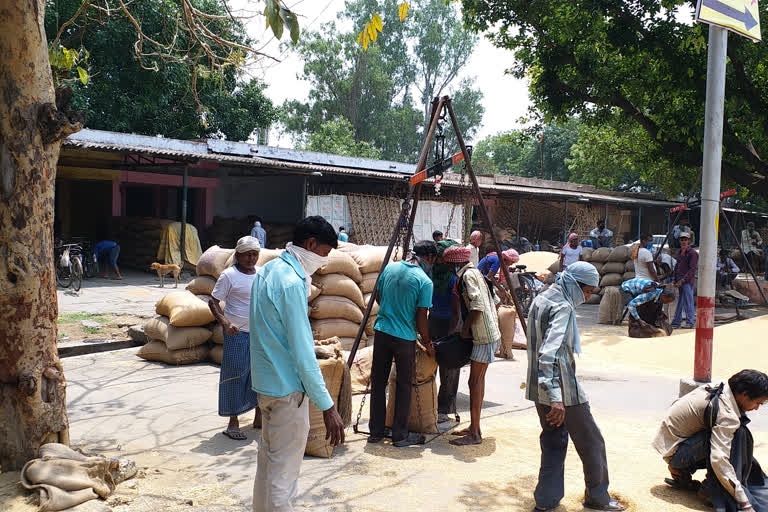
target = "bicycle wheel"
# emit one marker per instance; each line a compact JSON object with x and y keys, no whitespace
{"x":63,"y":275}
{"x":77,"y":273}
{"x":89,"y":267}
{"x":525,"y":294}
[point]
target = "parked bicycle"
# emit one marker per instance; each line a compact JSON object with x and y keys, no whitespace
{"x":69,"y":266}
{"x":90,"y":264}
{"x":525,"y":286}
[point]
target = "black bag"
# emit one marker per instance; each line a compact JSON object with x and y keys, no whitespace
{"x":452,"y":351}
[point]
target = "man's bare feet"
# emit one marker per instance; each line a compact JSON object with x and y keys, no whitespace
{"x":467,"y":440}
{"x":463,"y":432}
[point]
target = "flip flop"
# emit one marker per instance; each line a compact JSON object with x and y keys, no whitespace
{"x":237,"y":435}
{"x":691,"y":485}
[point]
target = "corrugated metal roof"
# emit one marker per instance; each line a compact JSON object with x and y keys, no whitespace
{"x":278,"y":158}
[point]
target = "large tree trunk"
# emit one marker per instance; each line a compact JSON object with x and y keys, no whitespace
{"x":32,"y":385}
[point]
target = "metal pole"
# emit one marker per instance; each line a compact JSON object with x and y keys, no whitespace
{"x":639,"y":221}
{"x":518,"y":219}
{"x":710,"y":202}
{"x":565,"y":224}
{"x":183,"y":237}
{"x":484,"y":210}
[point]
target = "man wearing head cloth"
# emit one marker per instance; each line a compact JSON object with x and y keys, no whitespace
{"x":481,"y":324}
{"x":259,"y":233}
{"x":562,"y":405}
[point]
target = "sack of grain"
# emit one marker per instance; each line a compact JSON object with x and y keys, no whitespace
{"x":184,"y":309}
{"x":598,"y":266}
{"x":328,"y":349}
{"x":369,"y":258}
{"x":315,"y":293}
{"x":594,"y":298}
{"x":610,"y":280}
{"x":375,"y":308}
{"x":507,"y":324}
{"x":626,"y":276}
{"x":333,"y":371}
{"x":208,"y":298}
{"x":201,"y":285}
{"x":423,"y":412}
{"x":587,"y":253}
{"x":218,"y":334}
{"x":613,"y":267}
{"x":629,"y":266}
{"x":327,"y":328}
{"x":267,"y":255}
{"x":620,"y":254}
{"x":361,"y":370}
{"x":175,"y":338}
{"x":347,"y":247}
{"x":554,"y":268}
{"x":368,"y":282}
{"x":601,"y":255}
{"x":611,"y":306}
{"x":348,"y":343}
{"x":341,"y":263}
{"x":213,"y":261}
{"x":216,"y":354}
{"x":157,"y":351}
{"x":334,"y":306}
{"x":339,"y":285}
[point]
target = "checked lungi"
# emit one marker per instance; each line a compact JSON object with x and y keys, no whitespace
{"x":236,"y":396}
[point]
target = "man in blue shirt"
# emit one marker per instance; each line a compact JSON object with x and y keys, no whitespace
{"x":405,"y":295}
{"x":260,"y":234}
{"x":106,"y":253}
{"x":343,"y":236}
{"x":284,"y":368}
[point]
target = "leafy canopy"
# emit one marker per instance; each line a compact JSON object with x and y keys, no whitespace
{"x":599,"y":59}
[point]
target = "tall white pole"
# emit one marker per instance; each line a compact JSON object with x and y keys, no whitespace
{"x":710,"y":202}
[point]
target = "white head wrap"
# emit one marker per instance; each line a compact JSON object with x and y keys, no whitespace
{"x":308,"y":260}
{"x":248,"y":243}
{"x":570,"y":280}
{"x":257,"y":224}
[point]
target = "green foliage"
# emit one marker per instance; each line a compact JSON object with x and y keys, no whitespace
{"x":374,"y":89}
{"x":279,"y":16}
{"x":181,"y":99}
{"x":336,"y":137}
{"x":65,"y":62}
{"x":598,"y":59}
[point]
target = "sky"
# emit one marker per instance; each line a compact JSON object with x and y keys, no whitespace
{"x":505,"y":98}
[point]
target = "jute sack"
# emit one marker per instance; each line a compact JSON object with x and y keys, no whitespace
{"x":423,"y":412}
{"x":361,"y":370}
{"x":594,"y":298}
{"x":613,"y":267}
{"x":601,"y":255}
{"x":610,"y":280}
{"x":347,"y":247}
{"x":369,"y":258}
{"x":507,"y":320}
{"x":587,"y":253}
{"x":218,"y":334}
{"x":175,"y":338}
{"x":213,"y":261}
{"x":554,"y":268}
{"x":620,"y":254}
{"x":626,"y":276}
{"x":341,"y":263}
{"x":315,"y":293}
{"x":201,"y":285}
{"x":338,"y":384}
{"x":341,"y":285}
{"x":267,"y":255}
{"x":371,"y":322}
{"x":184,"y":309}
{"x":329,"y":327}
{"x":334,"y":306}
{"x":368,"y":282}
{"x":216,"y":354}
{"x":598,"y":266}
{"x":611,"y":306}
{"x":347,"y":343}
{"x":629,"y":266}
{"x":328,"y":349}
{"x":157,"y":351}
{"x":375,"y":308}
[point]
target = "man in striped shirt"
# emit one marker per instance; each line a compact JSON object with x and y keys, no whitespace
{"x":562,"y":405}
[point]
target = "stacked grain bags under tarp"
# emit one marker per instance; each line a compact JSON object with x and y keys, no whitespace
{"x":338,"y":310}
{"x":180,"y":332}
{"x":423,"y":415}
{"x":338,"y":383}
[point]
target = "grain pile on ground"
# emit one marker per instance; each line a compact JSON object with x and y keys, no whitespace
{"x":338,"y":383}
{"x":538,"y":261}
{"x":139,"y":239}
{"x":423,"y":414}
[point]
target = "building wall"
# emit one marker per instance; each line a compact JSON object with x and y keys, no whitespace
{"x":276,"y":199}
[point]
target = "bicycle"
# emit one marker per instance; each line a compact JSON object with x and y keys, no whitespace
{"x":88,"y":259}
{"x":524,"y":287}
{"x":69,"y":266}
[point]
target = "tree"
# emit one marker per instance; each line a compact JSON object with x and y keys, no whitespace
{"x":596,"y":58}
{"x":34,"y":118}
{"x":123,"y":96}
{"x":336,"y":137}
{"x":374,"y":88}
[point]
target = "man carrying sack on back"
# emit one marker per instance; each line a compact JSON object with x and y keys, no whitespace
{"x":481,"y":324}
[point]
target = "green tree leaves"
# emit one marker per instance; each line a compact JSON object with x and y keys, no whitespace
{"x":337,"y":137}
{"x":279,"y":16}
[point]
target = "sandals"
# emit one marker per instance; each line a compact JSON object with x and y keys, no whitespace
{"x":684,"y":485}
{"x":237,"y":435}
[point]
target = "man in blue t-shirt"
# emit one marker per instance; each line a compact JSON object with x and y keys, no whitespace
{"x":405,"y":296}
{"x":106,"y":253}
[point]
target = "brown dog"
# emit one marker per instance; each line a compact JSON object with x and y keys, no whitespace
{"x":163,"y":270}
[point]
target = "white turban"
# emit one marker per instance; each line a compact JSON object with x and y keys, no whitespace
{"x":247,"y":243}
